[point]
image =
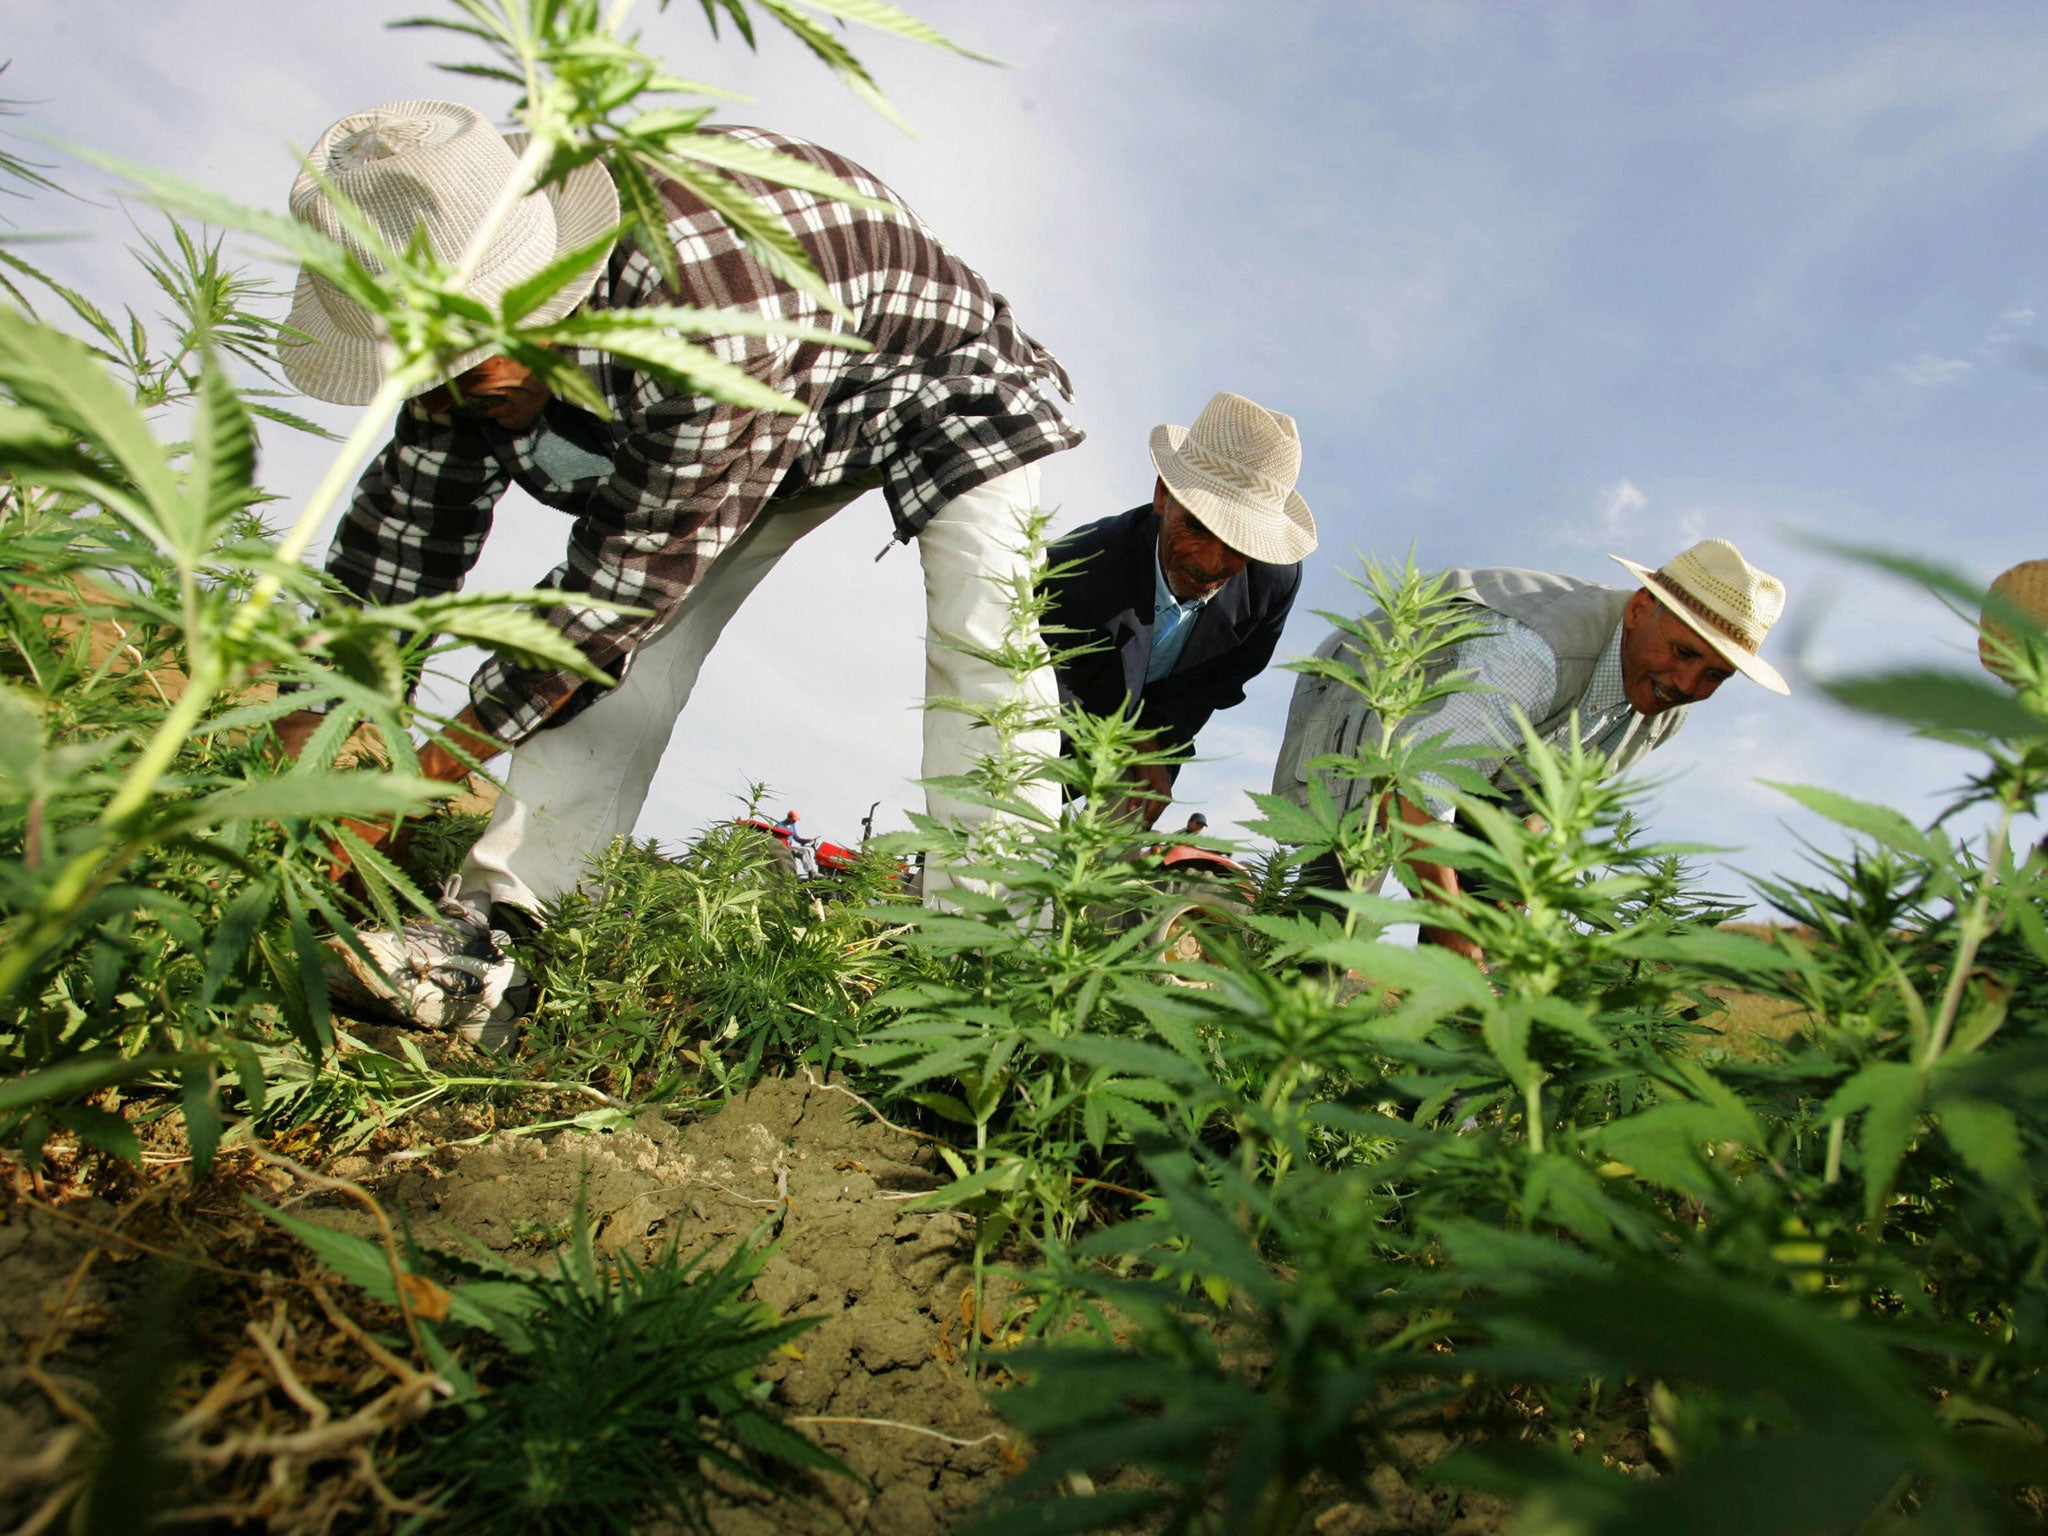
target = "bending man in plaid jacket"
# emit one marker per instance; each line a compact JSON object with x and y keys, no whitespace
{"x":680,"y":505}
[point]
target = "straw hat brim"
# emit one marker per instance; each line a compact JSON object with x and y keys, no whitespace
{"x":345,"y":366}
{"x":1271,"y":535}
{"x":1747,"y":662}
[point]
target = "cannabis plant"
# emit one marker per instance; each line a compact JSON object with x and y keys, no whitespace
{"x":1540,"y":1203}
{"x":689,"y":974}
{"x":594,"y":1397}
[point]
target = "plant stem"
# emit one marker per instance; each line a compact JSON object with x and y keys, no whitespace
{"x":140,"y":782}
{"x":341,"y":474}
{"x":1976,"y":927}
{"x":1838,"y":1130}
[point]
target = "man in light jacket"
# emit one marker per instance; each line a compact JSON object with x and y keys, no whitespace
{"x":1621,"y":665}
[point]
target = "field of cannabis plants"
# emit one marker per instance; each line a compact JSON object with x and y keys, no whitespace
{"x":798,"y":1206}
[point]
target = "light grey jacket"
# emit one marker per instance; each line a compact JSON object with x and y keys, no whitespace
{"x":1575,"y":618}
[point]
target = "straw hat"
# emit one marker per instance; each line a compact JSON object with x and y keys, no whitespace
{"x":1724,"y":599}
{"x":439,"y":166}
{"x":2024,"y":587}
{"x":1235,"y":469}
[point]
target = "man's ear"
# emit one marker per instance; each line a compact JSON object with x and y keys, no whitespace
{"x":1639,"y":608}
{"x":1162,"y":498}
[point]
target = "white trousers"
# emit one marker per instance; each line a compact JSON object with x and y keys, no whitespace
{"x":574,"y":788}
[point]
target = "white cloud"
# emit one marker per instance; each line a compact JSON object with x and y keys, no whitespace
{"x":1621,"y":503}
{"x":1910,"y":105}
{"x":1618,"y":519}
{"x":1929,"y":371}
{"x":2013,"y":328}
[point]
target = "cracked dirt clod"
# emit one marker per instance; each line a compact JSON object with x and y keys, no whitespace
{"x":811,"y":1165}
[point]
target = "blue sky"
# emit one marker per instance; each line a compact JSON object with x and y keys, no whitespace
{"x":1540,"y":283}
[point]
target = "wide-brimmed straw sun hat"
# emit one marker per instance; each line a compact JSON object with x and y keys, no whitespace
{"x":1724,"y":599}
{"x":2024,"y":587}
{"x":440,"y":166}
{"x":1235,"y":469}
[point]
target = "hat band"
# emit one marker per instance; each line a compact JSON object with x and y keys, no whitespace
{"x":1709,"y":616}
{"x":1232,"y":472}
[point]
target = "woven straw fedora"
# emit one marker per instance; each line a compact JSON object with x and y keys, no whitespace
{"x":2024,"y":587}
{"x":1235,"y":469}
{"x":1724,"y":599}
{"x":437,"y":166}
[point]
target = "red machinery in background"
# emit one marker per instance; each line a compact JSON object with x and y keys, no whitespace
{"x":828,"y":857}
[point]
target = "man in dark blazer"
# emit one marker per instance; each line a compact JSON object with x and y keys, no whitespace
{"x":1184,"y":598}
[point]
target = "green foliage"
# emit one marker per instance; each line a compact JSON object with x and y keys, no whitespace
{"x":1813,"y":1280}
{"x":626,"y":1381}
{"x":1395,"y":660}
{"x":689,"y":975}
{"x":435,"y":846}
{"x":1032,"y":1016}
{"x":604,"y":1390}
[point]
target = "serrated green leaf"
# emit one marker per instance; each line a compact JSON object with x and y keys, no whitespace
{"x":644,"y":217}
{"x":1133,"y":1057}
{"x":232,"y":938}
{"x":693,"y":367}
{"x":1986,"y":1136}
{"x":523,"y":638}
{"x":223,"y":462}
{"x":884,"y":17}
{"x":1423,"y":967}
{"x":100,"y":1129}
{"x":1934,"y":700}
{"x":1666,"y":1143}
{"x":997,"y":1179}
{"x":174,"y":194}
{"x":1506,"y":1033}
{"x":202,"y":1119}
{"x":87,"y":1074}
{"x":59,"y":377}
{"x":835,"y":55}
{"x":316,"y":796}
{"x":1881,"y":822}
{"x":1889,"y":1095}
{"x":945,"y":1106}
{"x":759,"y":228}
{"x":523,"y":298}
{"x":762,"y":164}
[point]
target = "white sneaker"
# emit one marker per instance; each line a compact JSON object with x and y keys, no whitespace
{"x":449,"y":973}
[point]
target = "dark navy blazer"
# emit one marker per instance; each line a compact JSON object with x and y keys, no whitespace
{"x":1109,"y":601}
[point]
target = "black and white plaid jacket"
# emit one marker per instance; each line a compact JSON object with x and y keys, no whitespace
{"x":951,"y":395}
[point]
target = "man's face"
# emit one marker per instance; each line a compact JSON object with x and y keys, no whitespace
{"x":1196,"y":562}
{"x":497,"y":389}
{"x":1664,"y":662}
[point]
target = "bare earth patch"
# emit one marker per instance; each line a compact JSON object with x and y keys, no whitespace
{"x":881,"y":1381}
{"x":832,"y":1185}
